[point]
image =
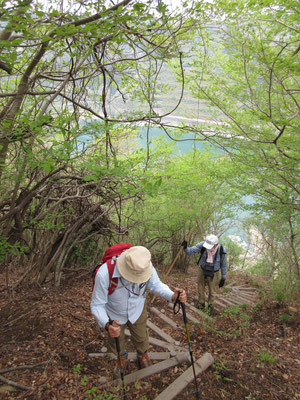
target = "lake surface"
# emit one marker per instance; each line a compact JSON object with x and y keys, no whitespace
{"x":182,"y":145}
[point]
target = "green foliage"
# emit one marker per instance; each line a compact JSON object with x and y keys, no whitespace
{"x":285,"y":317}
{"x":187,"y":195}
{"x":261,"y":293}
{"x":277,"y":256}
{"x":211,"y":328}
{"x":82,"y":253}
{"x":240,"y":319}
{"x":220,"y":369}
{"x":76,"y":369}
{"x":280,"y":297}
{"x":75,"y":165}
{"x":284,"y":288}
{"x":15,"y":249}
{"x":84,"y":380}
{"x":236,"y":311}
{"x":219,"y":366}
{"x":234,"y":252}
{"x":62,"y":172}
{"x":93,"y":392}
{"x":250,"y":75}
{"x":264,"y":356}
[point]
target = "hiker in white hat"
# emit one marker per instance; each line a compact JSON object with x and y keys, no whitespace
{"x":212,"y":261}
{"x":125,"y":306}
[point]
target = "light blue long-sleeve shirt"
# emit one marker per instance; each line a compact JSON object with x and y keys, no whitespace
{"x":123,"y":305}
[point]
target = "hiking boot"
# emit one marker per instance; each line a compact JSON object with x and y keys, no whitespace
{"x":210,"y":310}
{"x":124,"y":364}
{"x":201,"y":306}
{"x":143,"y":360}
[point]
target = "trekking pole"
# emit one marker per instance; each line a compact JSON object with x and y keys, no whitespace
{"x":178,"y":254}
{"x":176,"y":309}
{"x":175,"y":259}
{"x":120,"y":363}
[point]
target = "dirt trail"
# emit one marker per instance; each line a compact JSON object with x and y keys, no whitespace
{"x":255,"y":346}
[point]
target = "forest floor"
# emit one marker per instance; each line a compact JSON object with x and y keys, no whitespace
{"x":50,"y":333}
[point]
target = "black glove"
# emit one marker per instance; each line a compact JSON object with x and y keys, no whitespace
{"x":221,"y":283}
{"x":184,"y":244}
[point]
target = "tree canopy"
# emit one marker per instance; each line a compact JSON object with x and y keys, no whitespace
{"x":78,"y":80}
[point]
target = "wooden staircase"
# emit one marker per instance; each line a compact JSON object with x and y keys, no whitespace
{"x":172,"y":353}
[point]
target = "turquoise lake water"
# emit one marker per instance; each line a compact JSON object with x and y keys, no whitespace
{"x":183,"y":146}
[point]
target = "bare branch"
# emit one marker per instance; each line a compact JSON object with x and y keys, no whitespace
{"x":15,"y":384}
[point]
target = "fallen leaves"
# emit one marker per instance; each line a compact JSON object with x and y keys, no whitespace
{"x":58,"y":327}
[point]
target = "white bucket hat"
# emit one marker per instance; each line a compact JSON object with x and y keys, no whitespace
{"x":135,"y":264}
{"x":210,"y":241}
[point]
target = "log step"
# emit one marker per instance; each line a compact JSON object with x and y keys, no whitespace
{"x":173,"y":390}
{"x":161,"y":333}
{"x":165,"y":318}
{"x":226,"y":300}
{"x":153,"y":355}
{"x":161,"y":343}
{"x":180,"y":358}
{"x":246,"y":295}
{"x":189,"y":316}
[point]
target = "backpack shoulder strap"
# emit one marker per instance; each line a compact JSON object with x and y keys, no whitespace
{"x":201,"y":253}
{"x":113,"y":282}
{"x":109,"y":258}
{"x":94,"y":273}
{"x":222,"y":250}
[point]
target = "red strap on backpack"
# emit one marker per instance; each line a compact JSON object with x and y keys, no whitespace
{"x":110,"y":257}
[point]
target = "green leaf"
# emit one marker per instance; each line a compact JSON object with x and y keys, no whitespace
{"x":87,"y":178}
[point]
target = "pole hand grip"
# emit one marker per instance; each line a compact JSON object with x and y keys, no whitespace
{"x":116,"y":339}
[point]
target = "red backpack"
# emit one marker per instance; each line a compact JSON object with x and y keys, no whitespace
{"x":109,"y":258}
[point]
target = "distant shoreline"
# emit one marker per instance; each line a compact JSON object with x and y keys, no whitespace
{"x":179,"y":118}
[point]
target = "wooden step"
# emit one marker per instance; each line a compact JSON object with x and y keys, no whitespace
{"x":153,"y":355}
{"x":251,"y":297}
{"x":161,"y":343}
{"x":180,"y":358}
{"x":161,"y":333}
{"x":165,"y":318}
{"x":189,"y":316}
{"x":226,"y":301}
{"x":173,"y":390}
{"x":235,"y":300}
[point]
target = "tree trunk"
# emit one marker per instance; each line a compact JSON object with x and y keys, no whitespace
{"x":293,"y":246}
